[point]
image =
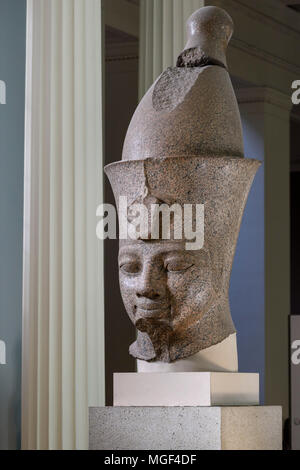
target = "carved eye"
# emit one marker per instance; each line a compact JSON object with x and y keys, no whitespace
{"x":177,"y":266}
{"x":130,"y":267}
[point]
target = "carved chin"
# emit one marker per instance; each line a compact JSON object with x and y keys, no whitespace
{"x":155,"y":338}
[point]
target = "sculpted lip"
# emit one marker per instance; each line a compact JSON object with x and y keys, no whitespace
{"x":152,"y":309}
{"x":152,"y":305}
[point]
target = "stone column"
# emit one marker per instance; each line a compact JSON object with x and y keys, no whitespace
{"x":63,"y":293}
{"x":261,"y":274}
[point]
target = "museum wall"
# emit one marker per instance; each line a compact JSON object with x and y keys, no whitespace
{"x":12,"y":72}
{"x":247,"y":299}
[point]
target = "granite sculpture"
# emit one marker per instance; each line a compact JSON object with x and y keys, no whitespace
{"x":184,"y":146}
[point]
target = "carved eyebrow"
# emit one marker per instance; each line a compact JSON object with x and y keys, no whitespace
{"x":128,"y":256}
{"x":174,"y":253}
{"x":190,"y":257}
{"x":129,"y":249}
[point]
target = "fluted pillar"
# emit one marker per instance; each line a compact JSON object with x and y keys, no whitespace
{"x":63,"y":305}
{"x":163,"y":35}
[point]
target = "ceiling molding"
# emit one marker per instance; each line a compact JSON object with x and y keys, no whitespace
{"x":265,"y":56}
{"x":275,"y":43}
{"x":122,"y":51}
{"x":270,"y":12}
{"x":122,"y":15}
{"x":264,"y":95}
{"x":290,"y":2}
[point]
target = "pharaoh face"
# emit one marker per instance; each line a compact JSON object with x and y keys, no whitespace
{"x":176,"y":298}
{"x":165,"y":289}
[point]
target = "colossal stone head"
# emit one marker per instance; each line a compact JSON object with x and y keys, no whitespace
{"x":184,"y":147}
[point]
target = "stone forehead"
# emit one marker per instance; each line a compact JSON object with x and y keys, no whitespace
{"x":157,"y":247}
{"x":194,"y":180}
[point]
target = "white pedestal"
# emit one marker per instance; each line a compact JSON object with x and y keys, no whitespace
{"x":186,"y":389}
{"x":186,"y":428}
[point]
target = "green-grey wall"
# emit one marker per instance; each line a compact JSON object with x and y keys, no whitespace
{"x":12,"y":72}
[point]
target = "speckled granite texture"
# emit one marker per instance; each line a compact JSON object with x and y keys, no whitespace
{"x":186,"y":428}
{"x":184,"y":146}
{"x":181,"y":309}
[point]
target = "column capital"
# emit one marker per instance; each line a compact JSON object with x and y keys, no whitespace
{"x":264,"y":96}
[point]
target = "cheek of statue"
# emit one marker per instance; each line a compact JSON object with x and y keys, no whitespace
{"x":128,"y":286}
{"x":191,"y":293}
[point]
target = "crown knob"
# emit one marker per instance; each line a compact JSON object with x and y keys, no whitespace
{"x":209,"y":30}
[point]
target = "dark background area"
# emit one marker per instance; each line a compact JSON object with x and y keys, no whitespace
{"x":295,"y":243}
{"x":121,"y":95}
{"x":295,"y":212}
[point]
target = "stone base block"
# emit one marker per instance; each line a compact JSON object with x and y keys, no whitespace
{"x":186,"y":428}
{"x":186,"y":389}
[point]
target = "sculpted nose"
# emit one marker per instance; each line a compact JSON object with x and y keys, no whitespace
{"x":151,"y":284}
{"x":148,"y":293}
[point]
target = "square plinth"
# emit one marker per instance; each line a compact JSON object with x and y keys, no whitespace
{"x":185,"y":428}
{"x":186,"y":389}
